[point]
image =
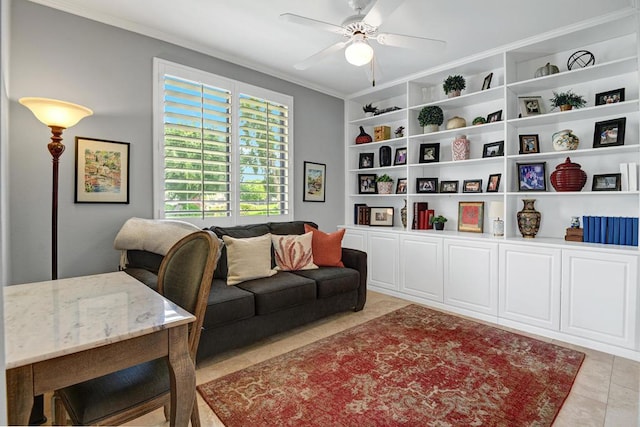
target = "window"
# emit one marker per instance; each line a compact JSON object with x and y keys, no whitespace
{"x":224,"y":148}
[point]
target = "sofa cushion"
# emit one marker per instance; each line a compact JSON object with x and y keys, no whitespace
{"x":332,"y":280}
{"x":327,"y":247}
{"x":227,"y":304}
{"x":293,"y":252}
{"x":248,"y":258}
{"x":238,"y":232}
{"x":279,"y":292}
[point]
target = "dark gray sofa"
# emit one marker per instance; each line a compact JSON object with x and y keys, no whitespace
{"x":245,"y":313}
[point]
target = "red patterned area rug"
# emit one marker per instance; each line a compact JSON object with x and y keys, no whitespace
{"x":414,"y":366}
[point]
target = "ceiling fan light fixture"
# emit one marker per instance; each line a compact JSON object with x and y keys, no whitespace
{"x":359,"y":52}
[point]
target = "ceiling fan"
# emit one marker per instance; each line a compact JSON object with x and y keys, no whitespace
{"x":359,"y":29}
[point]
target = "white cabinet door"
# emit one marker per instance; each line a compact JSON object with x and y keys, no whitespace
{"x":471,"y":275}
{"x":355,"y":239}
{"x":421,"y":267}
{"x":382,"y":257}
{"x":529,"y":285}
{"x":599,"y":296}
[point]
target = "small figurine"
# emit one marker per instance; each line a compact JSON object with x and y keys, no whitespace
{"x":575,"y":222}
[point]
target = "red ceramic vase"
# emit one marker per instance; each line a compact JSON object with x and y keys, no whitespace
{"x":363,"y":137}
{"x":568,"y":176}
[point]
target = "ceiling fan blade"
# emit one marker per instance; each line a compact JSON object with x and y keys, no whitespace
{"x":409,"y":42}
{"x":381,"y":10}
{"x":319,"y":56}
{"x":321,"y":25}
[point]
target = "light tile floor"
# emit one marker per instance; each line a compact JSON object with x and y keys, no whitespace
{"x":605,"y":393}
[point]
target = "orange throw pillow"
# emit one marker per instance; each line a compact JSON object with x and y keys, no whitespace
{"x":326,"y":247}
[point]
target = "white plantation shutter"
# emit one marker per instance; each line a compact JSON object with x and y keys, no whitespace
{"x":224,"y":148}
{"x":263,"y":156}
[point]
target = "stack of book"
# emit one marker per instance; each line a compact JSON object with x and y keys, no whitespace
{"x":610,"y":230}
{"x":422,"y":216}
{"x":361,"y":214}
{"x":574,"y":235}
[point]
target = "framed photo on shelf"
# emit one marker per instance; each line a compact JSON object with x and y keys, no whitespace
{"x":609,"y":133}
{"x":367,"y":183}
{"x":472,"y":186}
{"x":610,"y":97}
{"x":487,"y":82}
{"x":102,"y":171}
{"x":493,"y":184}
{"x":381,"y":217}
{"x":530,"y":105}
{"x":494,"y":117}
{"x":607,"y":182}
{"x":366,"y":160}
{"x":471,"y":216}
{"x":401,"y":156}
{"x":529,"y":144}
{"x":315,"y":177}
{"x":429,"y":153}
{"x":426,"y":185}
{"x":448,"y":186}
{"x":493,"y":149}
{"x":401,"y":186}
{"x":531,"y":176}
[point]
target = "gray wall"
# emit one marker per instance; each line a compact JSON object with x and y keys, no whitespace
{"x":58,"y":55}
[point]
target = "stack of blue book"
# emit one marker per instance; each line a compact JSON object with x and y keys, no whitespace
{"x":610,"y":230}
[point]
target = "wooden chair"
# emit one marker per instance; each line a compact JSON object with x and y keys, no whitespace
{"x":185,"y":278}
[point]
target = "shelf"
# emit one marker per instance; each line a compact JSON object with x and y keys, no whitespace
{"x":468,"y":130}
{"x":392,"y":116}
{"x":553,"y":193}
{"x":378,"y":144}
{"x":479,"y":97}
{"x":597,"y":112}
{"x":376,"y":195}
{"x":481,"y":194}
{"x":580,"y":152}
{"x":496,"y":160}
{"x":575,"y":77}
{"x":379,"y":169}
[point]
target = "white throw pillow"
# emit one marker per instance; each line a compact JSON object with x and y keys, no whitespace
{"x":248,"y":258}
{"x":293,"y":252}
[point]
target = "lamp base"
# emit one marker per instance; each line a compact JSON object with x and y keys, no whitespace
{"x":498,"y":227}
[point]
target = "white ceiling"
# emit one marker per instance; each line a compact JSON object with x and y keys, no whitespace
{"x":250,"y":33}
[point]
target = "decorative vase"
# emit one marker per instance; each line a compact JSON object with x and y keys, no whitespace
{"x":438,"y":225}
{"x":456,"y":122}
{"x":564,"y":140}
{"x":431,"y":128}
{"x":403,"y":214}
{"x":529,"y":219}
{"x":385,"y":187}
{"x":363,"y":137}
{"x":454,"y":93}
{"x":385,"y":156}
{"x":568,"y":176}
{"x":460,"y":148}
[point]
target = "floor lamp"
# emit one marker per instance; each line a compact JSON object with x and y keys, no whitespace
{"x":58,"y":115}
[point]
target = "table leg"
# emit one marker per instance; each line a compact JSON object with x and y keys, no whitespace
{"x":19,"y":395}
{"x":182,"y":373}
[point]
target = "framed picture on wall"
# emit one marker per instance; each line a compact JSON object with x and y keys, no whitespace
{"x":314,"y":182}
{"x":102,"y":171}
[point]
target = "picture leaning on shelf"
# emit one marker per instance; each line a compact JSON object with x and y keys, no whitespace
{"x":449,"y":186}
{"x":472,"y":186}
{"x":493,"y":184}
{"x":494,"y":117}
{"x":493,"y":149}
{"x":426,"y":185}
{"x":530,"y":106}
{"x":401,"y":156}
{"x":366,"y":160}
{"x":429,"y":153}
{"x":532,"y":176}
{"x":610,"y":97}
{"x":529,"y":144}
{"x":609,"y":133}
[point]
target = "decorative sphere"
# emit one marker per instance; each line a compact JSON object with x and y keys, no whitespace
{"x":581,"y":59}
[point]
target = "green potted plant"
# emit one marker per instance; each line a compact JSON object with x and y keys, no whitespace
{"x":430,"y":118}
{"x":438,"y":222}
{"x":369,"y":110}
{"x":385,"y":184}
{"x":479,"y":121}
{"x":453,"y":85}
{"x":567,"y":100}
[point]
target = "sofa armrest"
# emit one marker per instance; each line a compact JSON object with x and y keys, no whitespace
{"x":353,"y":258}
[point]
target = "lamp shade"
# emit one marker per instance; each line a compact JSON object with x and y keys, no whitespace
{"x":52,"y":112}
{"x":359,"y":52}
{"x":496,"y":209}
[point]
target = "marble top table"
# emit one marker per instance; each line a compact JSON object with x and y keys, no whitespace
{"x":62,"y":332}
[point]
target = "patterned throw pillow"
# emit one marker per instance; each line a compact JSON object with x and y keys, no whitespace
{"x":293,"y":252}
{"x":248,"y":258}
{"x":327,"y":247}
